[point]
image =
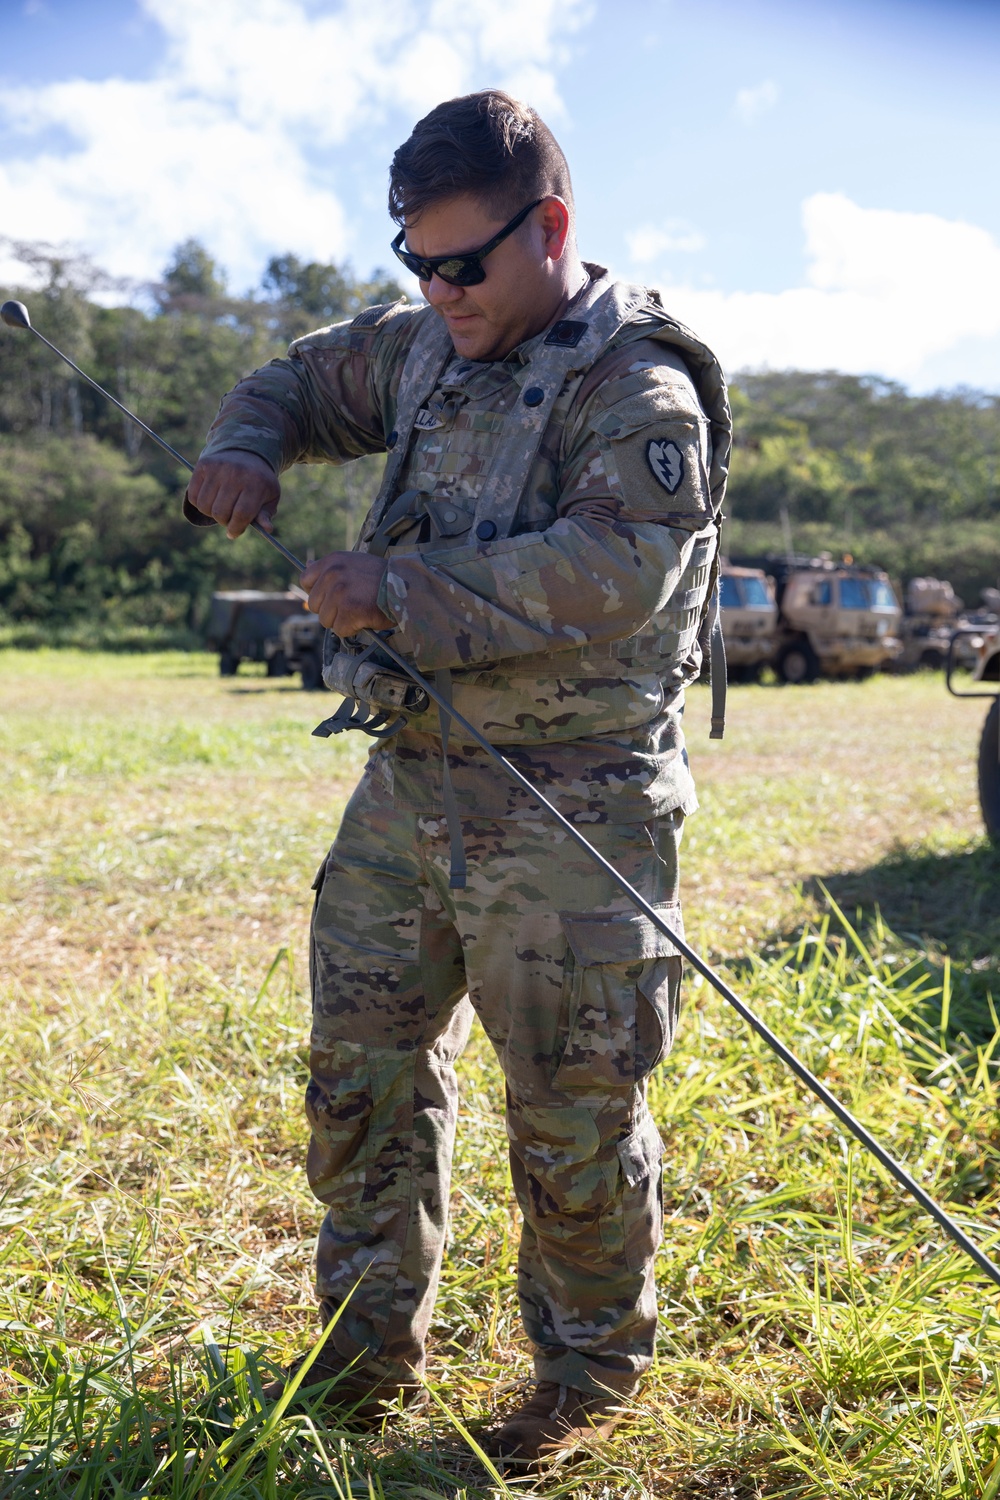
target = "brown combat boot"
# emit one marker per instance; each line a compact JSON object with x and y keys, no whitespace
{"x":359,"y":1403}
{"x":552,"y":1421}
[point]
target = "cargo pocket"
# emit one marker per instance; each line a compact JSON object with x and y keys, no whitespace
{"x":621,"y":991}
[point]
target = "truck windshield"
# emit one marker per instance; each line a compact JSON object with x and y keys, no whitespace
{"x":729,"y":596}
{"x":865,"y":593}
{"x":883,"y":597}
{"x":854,"y":594}
{"x":755,"y":593}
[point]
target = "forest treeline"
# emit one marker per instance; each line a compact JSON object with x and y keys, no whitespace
{"x":93,"y":548}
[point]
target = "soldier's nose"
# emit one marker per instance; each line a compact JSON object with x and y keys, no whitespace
{"x":439,"y":293}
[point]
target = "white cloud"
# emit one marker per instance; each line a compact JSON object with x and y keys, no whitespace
{"x":230,"y":141}
{"x":649,"y":241}
{"x":886,"y":292}
{"x":751,"y":103}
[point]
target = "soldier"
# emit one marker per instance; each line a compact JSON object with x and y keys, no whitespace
{"x":545,"y":544}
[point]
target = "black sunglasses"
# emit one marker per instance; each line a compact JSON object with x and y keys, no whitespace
{"x":459,"y":270}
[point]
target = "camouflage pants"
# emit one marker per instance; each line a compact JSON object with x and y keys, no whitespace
{"x":578,"y":994}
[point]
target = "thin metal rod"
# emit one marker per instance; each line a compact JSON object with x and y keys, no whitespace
{"x":777,"y":1046}
{"x":114,"y":401}
{"x":167,"y":448}
{"x":775,"y":1043}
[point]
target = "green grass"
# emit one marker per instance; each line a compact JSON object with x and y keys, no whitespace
{"x":819,"y":1335}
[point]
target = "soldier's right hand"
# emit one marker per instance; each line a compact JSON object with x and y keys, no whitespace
{"x":235,"y":488}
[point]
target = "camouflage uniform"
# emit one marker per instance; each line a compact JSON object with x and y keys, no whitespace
{"x":565,"y":603}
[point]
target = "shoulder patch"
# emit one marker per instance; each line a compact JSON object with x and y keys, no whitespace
{"x":373,"y":316}
{"x":667,"y":463}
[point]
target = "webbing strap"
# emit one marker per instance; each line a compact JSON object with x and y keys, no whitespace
{"x":717,"y":668}
{"x":453,"y":817}
{"x":594,"y":317}
{"x":429,"y":353}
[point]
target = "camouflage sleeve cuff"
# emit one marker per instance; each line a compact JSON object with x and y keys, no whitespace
{"x":574,"y":584}
{"x":270,"y":452}
{"x":265,"y":414}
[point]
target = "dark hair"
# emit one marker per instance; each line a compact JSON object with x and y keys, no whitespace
{"x":488,"y":145}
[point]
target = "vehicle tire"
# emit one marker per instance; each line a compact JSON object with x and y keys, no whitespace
{"x":931,"y":660}
{"x":989,"y":772}
{"x":277,"y":665}
{"x":228,"y":664}
{"x":312,"y":672}
{"x":798,"y":663}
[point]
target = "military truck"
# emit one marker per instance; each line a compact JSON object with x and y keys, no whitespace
{"x":986,"y":643}
{"x":931,"y":615}
{"x":253,"y":625}
{"x":749,"y":618}
{"x":301,"y":638}
{"x":934,"y":615}
{"x":835,"y":619}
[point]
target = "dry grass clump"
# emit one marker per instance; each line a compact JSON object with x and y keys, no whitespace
{"x":819,"y":1336}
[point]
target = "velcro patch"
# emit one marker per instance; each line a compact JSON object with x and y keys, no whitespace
{"x":373,"y":316}
{"x":667,"y":463}
{"x":427,"y":421}
{"x":566,"y":334}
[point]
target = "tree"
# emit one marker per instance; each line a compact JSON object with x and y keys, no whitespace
{"x":312,"y":294}
{"x":192,"y":273}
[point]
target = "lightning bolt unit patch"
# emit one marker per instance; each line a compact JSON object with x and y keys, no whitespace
{"x":667,"y":463}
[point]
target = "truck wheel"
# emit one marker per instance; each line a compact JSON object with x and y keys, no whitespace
{"x":312,"y":672}
{"x":798,"y":663}
{"x":989,"y":772}
{"x":228,"y":664}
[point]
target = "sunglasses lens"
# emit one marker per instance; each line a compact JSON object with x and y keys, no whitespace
{"x":462,"y":272}
{"x":457,"y":270}
{"x":411,"y":263}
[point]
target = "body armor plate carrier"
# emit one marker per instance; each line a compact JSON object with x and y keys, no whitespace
{"x":379,"y":698}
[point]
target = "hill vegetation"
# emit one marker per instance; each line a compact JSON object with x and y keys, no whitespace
{"x":93,"y":549}
{"x":855,"y":464}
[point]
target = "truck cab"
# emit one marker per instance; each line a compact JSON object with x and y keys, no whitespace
{"x":749,"y":617}
{"x":835,"y":619}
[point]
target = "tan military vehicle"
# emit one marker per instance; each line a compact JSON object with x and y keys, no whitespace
{"x":301,"y":637}
{"x":986,"y":671}
{"x":834,"y":619}
{"x":749,"y":618}
{"x":932,"y":614}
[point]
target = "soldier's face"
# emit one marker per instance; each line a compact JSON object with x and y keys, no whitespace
{"x":524,"y":287}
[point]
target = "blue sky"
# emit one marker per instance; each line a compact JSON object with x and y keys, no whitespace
{"x":811,"y":184}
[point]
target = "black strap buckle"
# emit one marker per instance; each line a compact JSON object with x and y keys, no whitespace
{"x":354,"y":715}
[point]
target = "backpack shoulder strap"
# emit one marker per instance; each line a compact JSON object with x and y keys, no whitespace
{"x":429,"y":353}
{"x":568,"y":350}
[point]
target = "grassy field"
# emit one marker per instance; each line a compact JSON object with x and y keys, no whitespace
{"x":819,"y":1338}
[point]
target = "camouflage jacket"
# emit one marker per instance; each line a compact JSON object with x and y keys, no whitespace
{"x":555,"y":631}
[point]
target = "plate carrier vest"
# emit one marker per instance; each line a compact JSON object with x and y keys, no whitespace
{"x":380,"y":699}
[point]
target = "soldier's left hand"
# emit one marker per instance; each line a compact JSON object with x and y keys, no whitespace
{"x":343,"y":592}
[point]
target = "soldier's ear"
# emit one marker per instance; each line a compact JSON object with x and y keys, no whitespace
{"x":556,"y":222}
